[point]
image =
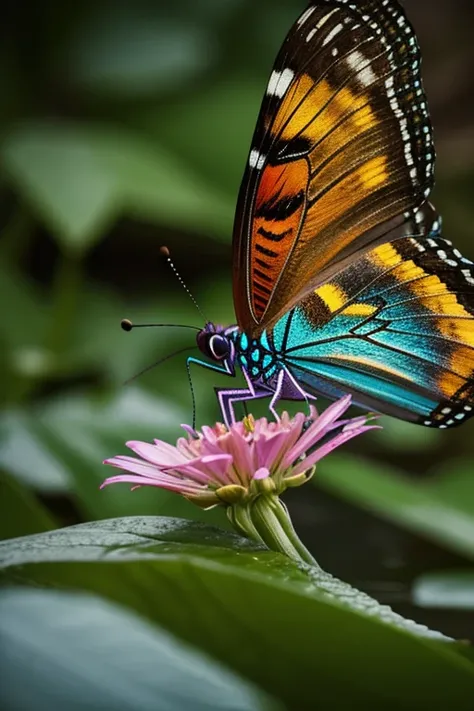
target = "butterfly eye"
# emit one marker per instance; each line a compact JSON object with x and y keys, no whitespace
{"x":219,"y":347}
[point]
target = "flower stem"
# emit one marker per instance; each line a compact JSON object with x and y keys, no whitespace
{"x":273,"y":523}
{"x":240,"y":518}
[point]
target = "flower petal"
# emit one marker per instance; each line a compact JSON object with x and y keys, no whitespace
{"x":237,"y":446}
{"x":261,"y":473}
{"x":270,"y":450}
{"x":212,"y":468}
{"x":160,"y":453}
{"x":328,"y":447}
{"x":317,"y":430}
{"x":149,"y":471}
{"x":190,"y":431}
{"x":218,"y":466}
{"x":360,"y":422}
{"x":189,"y":448}
{"x":179,"y":487}
{"x":130,"y":464}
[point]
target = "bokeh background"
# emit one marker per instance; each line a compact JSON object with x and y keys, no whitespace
{"x":126,"y":126}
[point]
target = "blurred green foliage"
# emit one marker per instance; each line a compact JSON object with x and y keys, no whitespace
{"x":126,"y":126}
{"x":140,"y":666}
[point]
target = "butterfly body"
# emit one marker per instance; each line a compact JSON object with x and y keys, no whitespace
{"x":342,"y":281}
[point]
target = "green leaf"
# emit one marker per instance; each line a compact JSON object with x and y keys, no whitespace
{"x":454,"y":484}
{"x":452,"y":589}
{"x":422,"y":508}
{"x":275,"y":623}
{"x":61,"y":173}
{"x":115,"y":172}
{"x":26,"y":456}
{"x":20,"y":512}
{"x":78,"y":652}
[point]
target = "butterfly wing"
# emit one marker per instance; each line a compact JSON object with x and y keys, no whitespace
{"x":395,"y":329}
{"x":341,"y":158}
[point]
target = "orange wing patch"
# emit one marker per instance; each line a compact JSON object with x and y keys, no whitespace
{"x":280,"y":204}
{"x":335,"y":174}
{"x":328,"y":119}
{"x":322,"y":114}
{"x":304,"y":99}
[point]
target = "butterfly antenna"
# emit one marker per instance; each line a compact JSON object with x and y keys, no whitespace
{"x":164,"y":251}
{"x":127,"y":325}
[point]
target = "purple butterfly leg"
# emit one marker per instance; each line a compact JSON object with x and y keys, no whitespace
{"x":284,"y":386}
{"x":227,"y":398}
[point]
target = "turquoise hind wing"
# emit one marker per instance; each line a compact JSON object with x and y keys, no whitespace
{"x":395,"y":329}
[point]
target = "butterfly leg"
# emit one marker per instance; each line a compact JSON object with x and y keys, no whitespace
{"x":287,"y":387}
{"x":227,"y":398}
{"x":226,"y":369}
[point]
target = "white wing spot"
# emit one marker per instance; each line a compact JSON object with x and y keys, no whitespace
{"x":468,"y":276}
{"x":361,"y":65}
{"x":279,"y":82}
{"x":324,"y":19}
{"x":305,"y":16}
{"x":256,"y":159}
{"x":416,"y":244}
{"x":335,"y":31}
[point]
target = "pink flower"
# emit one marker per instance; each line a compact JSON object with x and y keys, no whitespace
{"x":230,"y":466}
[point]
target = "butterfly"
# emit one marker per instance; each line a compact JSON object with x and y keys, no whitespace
{"x":342,"y":281}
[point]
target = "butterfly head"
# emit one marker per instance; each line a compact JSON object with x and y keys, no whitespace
{"x":216,"y":342}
